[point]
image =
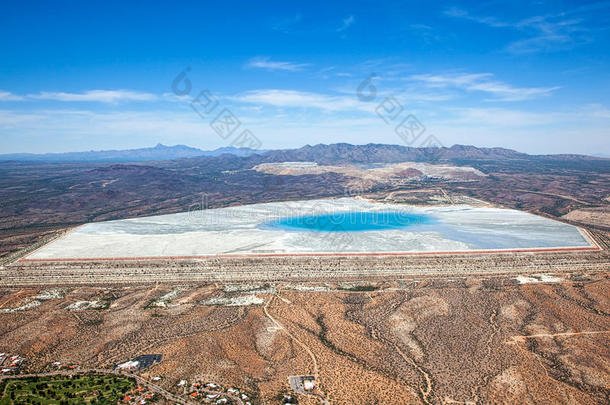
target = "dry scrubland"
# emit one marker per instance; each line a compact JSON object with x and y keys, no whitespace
{"x":599,"y":216}
{"x":431,"y":340}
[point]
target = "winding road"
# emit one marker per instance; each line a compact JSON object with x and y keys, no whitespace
{"x":279,"y":326}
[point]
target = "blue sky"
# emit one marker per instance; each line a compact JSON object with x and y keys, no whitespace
{"x":532,"y":76}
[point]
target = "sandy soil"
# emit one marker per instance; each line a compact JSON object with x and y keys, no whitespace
{"x":470,"y":340}
{"x":593,"y":216}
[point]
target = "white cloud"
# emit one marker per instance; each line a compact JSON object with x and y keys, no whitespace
{"x":502,"y":117}
{"x":300,"y":99}
{"x":483,"y":82}
{"x":286,"y":24}
{"x":590,"y":115}
{"x":550,"y":32}
{"x":346,"y":23}
{"x":102,"y":96}
{"x":596,"y":111}
{"x":7,"y":96}
{"x":268,"y":64}
{"x":46,"y":130}
{"x":530,"y":131}
{"x":457,"y":12}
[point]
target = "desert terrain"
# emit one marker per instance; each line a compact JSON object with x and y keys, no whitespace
{"x":480,"y":339}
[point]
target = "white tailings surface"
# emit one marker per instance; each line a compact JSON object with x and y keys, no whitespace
{"x":237,"y":230}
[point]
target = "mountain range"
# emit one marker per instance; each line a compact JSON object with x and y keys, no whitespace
{"x":159,"y":152}
{"x":338,"y":153}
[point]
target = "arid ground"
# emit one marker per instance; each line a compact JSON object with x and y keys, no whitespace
{"x":509,"y":339}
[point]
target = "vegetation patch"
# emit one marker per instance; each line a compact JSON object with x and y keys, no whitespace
{"x":36,"y":300}
{"x":360,"y":288}
{"x":86,"y":305}
{"x":238,"y":301}
{"x":82,"y":389}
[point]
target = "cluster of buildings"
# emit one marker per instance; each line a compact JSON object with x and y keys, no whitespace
{"x":10,"y":364}
{"x":212,"y":393}
{"x":302,"y":384}
{"x":139,"y":396}
{"x":59,"y":365}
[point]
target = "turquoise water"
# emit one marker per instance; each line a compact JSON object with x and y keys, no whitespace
{"x":350,"y":221}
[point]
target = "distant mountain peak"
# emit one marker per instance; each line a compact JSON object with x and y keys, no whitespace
{"x":158,"y":152}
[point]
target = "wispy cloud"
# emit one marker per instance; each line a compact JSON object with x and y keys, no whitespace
{"x":268,"y":64}
{"x":457,"y":12}
{"x":346,"y":23}
{"x":543,"y":131}
{"x":101,"y":96}
{"x":425,"y":32}
{"x":287,"y":23}
{"x":7,"y":96}
{"x":300,"y":99}
{"x":596,"y":111}
{"x":588,"y":115}
{"x":501,"y":117}
{"x":97,"y":128}
{"x":484,"y":82}
{"x":549,"y":32}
